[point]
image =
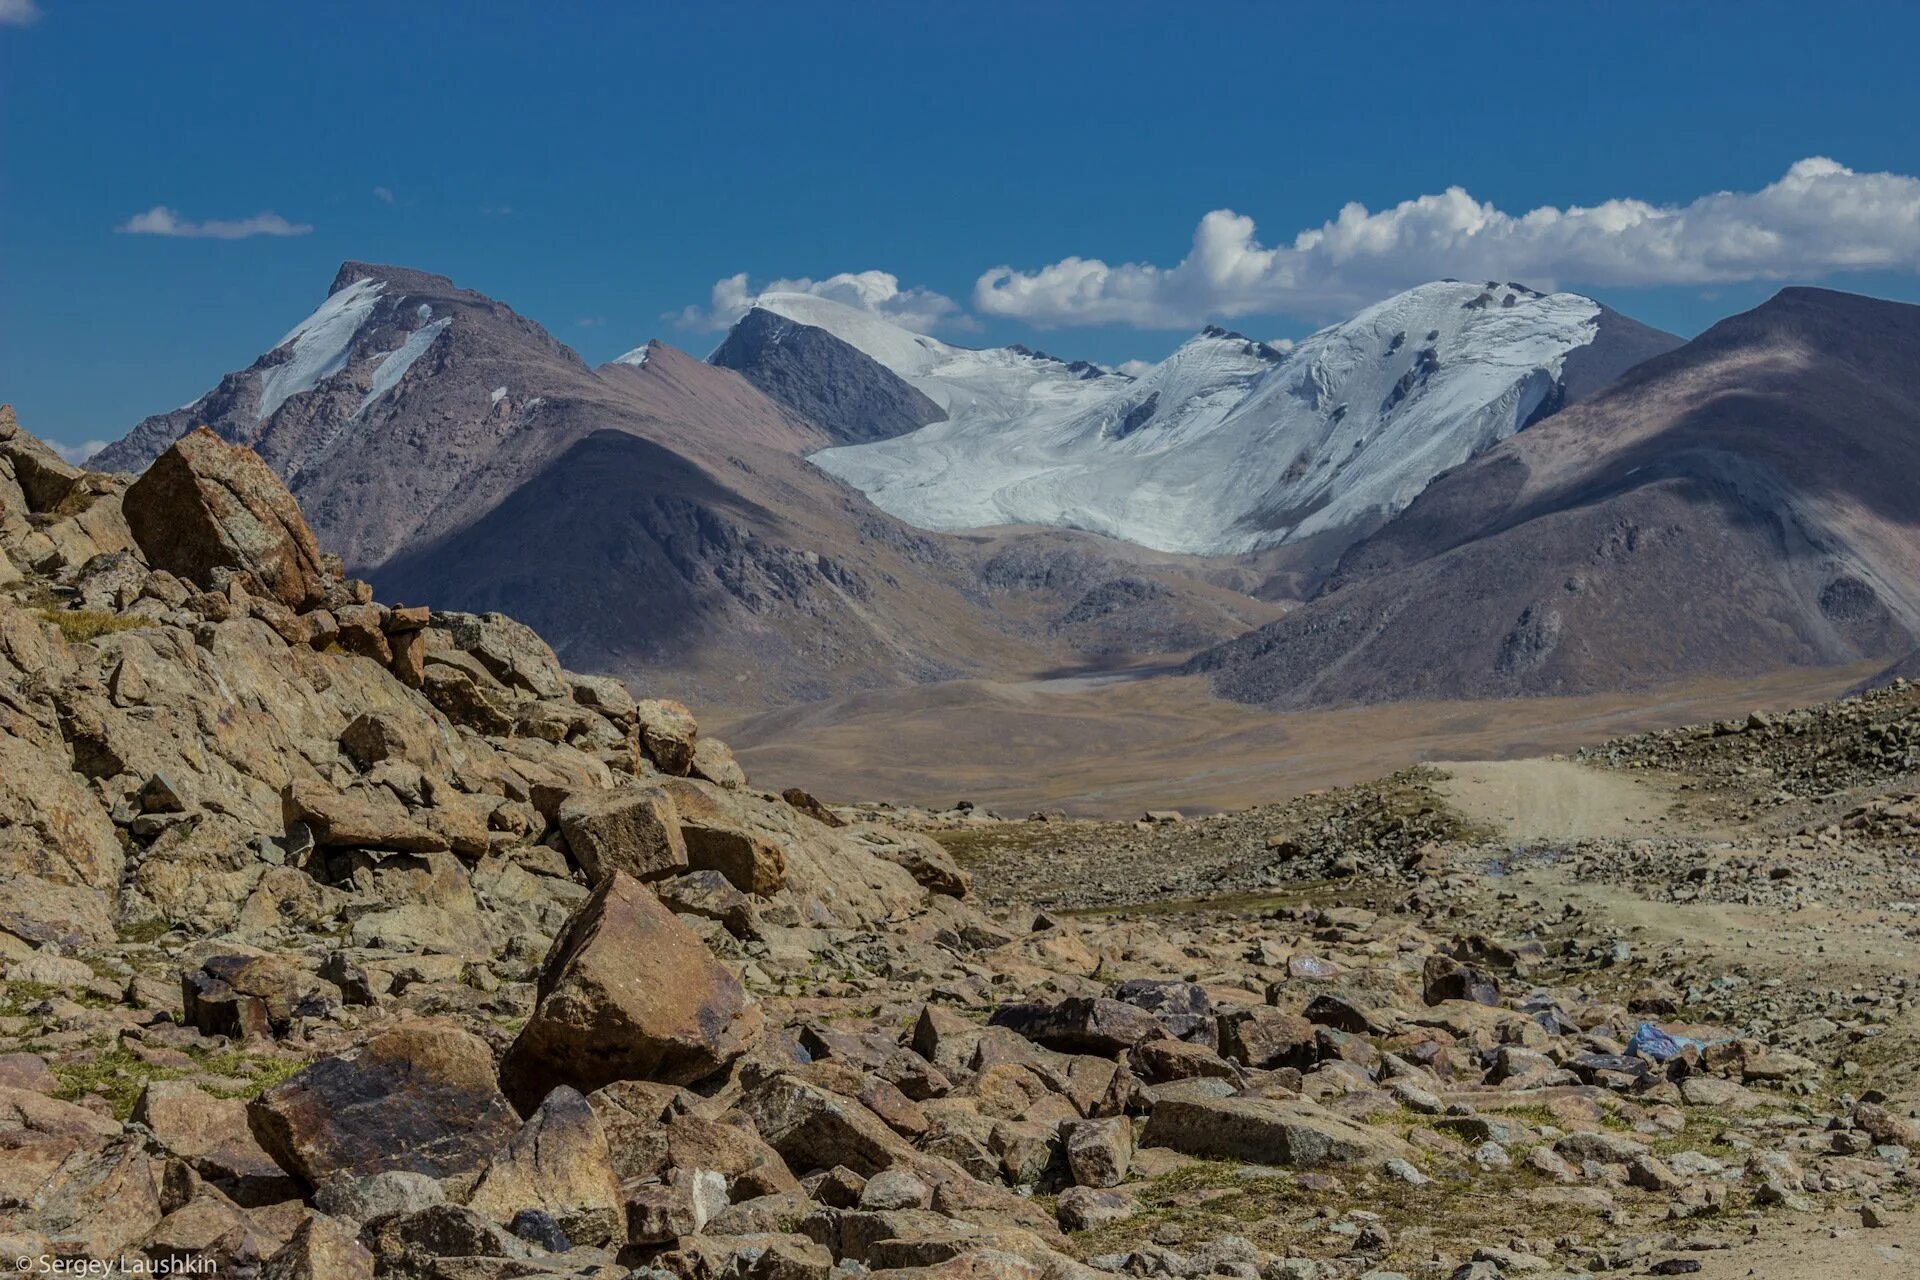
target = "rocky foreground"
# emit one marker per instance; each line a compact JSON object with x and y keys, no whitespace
{"x":343,"y":939}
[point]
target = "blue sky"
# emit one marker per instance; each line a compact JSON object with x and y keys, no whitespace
{"x":600,"y":167}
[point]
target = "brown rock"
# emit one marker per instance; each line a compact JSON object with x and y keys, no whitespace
{"x":558,"y":1163}
{"x":814,"y":1129}
{"x":364,"y":818}
{"x":1080,"y":1024}
{"x":409,"y":663}
{"x":27,"y":1071}
{"x":667,"y":731}
{"x":1264,"y":1037}
{"x":634,"y":831}
{"x":244,"y":997}
{"x":1445,"y":978}
{"x":806,"y":804}
{"x":206,"y":505}
{"x":752,"y":862}
{"x":321,"y":1248}
{"x":421,"y":1097}
{"x":212,"y":1136}
{"x":1099,"y":1151}
{"x":713,"y":760}
{"x":628,"y":992}
{"x":1266,"y":1131}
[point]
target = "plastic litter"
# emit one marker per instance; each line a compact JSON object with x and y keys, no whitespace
{"x":1649,"y":1041}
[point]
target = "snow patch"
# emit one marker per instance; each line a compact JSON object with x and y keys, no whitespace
{"x":635,"y":357}
{"x":395,"y":366}
{"x":496,"y":395}
{"x":320,"y":344}
{"x":1230,"y":444}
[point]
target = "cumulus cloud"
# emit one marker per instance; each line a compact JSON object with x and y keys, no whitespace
{"x":18,"y":13}
{"x":1819,"y":218}
{"x":162,"y":221}
{"x":78,"y":453}
{"x":921,"y":310}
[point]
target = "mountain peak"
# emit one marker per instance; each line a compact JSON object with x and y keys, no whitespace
{"x":403,"y":279}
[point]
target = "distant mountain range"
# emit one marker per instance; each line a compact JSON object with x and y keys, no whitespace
{"x":1229,"y":445}
{"x":1466,"y":490}
{"x":655,"y":517}
{"x":1747,"y":502}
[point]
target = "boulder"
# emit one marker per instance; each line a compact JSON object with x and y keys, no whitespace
{"x":1183,"y":1008}
{"x":667,"y":732}
{"x":635,"y":831}
{"x":1083,"y":1208}
{"x":421,"y":1097}
{"x":751,"y":862}
{"x":627,"y":993}
{"x":510,"y":652}
{"x":246,"y":997}
{"x":1099,"y":1151}
{"x":814,"y":1129}
{"x":51,"y":829}
{"x":1266,"y":1131}
{"x":930,"y":865}
{"x":1081,"y":1024}
{"x":205,"y":505}
{"x":321,"y":1248}
{"x":212,"y":1136}
{"x":558,"y":1163}
{"x":362,"y":818}
{"x":804,"y":802}
{"x":1265,"y":1037}
{"x":1443,"y":978}
{"x":713,"y":760}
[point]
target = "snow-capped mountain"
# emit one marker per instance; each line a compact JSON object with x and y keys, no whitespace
{"x":1229,"y":445}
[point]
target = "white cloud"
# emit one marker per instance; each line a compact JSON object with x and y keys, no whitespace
{"x":18,"y":13}
{"x":1133,"y":368}
{"x":921,"y":310}
{"x":77,"y":453}
{"x":162,"y":221}
{"x":383,"y":194}
{"x":1819,"y":218}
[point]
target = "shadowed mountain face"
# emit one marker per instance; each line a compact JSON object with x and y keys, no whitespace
{"x":852,"y":397}
{"x":1747,"y":502}
{"x":655,"y":515}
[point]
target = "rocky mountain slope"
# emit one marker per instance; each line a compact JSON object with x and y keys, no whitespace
{"x":1744,"y":503}
{"x":343,"y":940}
{"x":651,"y":516}
{"x":851,"y":397}
{"x":1230,"y":445}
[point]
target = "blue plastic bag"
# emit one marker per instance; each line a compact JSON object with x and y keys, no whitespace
{"x":1649,"y":1041}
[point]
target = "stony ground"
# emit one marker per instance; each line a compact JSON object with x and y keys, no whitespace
{"x":341,"y":939}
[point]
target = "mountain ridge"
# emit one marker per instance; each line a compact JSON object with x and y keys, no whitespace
{"x":1741,"y":504}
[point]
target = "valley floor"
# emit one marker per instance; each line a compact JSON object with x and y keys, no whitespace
{"x":1743,"y":881}
{"x":1114,"y":745}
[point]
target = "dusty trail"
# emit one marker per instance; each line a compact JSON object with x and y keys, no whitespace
{"x":1555,"y":800}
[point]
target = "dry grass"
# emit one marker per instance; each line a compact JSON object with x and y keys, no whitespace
{"x":82,"y":625}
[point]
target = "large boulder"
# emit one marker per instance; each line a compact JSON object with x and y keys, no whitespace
{"x":421,"y":1097}
{"x":627,"y":993}
{"x":559,"y":1164}
{"x":1266,"y":1131}
{"x":205,"y":505}
{"x":211,"y":1135}
{"x":635,"y":831}
{"x":56,"y":845}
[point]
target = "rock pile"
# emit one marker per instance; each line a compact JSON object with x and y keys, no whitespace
{"x":344,"y":940}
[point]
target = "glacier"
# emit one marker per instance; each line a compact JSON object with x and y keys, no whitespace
{"x":1227,"y":446}
{"x":319,"y":345}
{"x":394,"y":367}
